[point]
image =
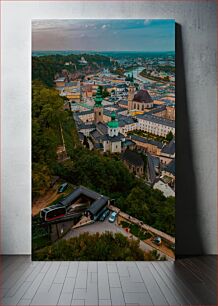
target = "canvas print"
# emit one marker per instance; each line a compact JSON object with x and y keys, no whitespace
{"x":103,"y":140}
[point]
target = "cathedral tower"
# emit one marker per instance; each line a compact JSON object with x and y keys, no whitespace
{"x":98,"y":109}
{"x":131,"y":92}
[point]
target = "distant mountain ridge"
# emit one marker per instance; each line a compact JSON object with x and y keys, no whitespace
{"x":116,"y":54}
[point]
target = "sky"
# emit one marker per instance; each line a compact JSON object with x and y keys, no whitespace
{"x":104,"y":35}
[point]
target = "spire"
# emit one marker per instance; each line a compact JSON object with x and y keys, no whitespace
{"x":131,"y":92}
{"x":130,"y":79}
{"x":98,"y":98}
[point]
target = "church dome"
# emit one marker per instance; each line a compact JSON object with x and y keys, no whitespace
{"x":113,"y":123}
{"x":142,"y":96}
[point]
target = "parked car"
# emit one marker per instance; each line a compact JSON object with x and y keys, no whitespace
{"x":157,"y":240}
{"x":104,"y":215}
{"x":63,"y":187}
{"x":112,"y":217}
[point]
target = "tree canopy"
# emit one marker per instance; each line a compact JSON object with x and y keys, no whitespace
{"x":110,"y":177}
{"x":47,"y":117}
{"x":107,"y":246}
{"x":169,"y":136}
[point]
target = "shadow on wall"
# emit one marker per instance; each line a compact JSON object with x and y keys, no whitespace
{"x":188,"y":228}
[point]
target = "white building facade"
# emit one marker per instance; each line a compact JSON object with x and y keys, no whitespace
{"x":156,"y":125}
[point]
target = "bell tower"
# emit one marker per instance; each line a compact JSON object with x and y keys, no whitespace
{"x":131,"y":92}
{"x":98,"y":109}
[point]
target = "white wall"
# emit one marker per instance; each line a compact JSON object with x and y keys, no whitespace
{"x":198,"y":24}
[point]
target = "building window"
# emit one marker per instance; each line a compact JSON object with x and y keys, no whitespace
{"x":99,"y":113}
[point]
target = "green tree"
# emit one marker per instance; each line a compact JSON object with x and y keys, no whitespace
{"x":136,"y":204}
{"x":169,"y":136}
{"x":85,"y":142}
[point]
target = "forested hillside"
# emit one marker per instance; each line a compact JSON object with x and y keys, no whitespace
{"x":47,"y":117}
{"x":45,"y":68}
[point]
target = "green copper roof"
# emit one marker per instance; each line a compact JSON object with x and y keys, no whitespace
{"x":113,"y":123}
{"x":113,"y":116}
{"x":98,"y":98}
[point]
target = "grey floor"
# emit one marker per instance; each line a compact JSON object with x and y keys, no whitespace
{"x":188,"y":281}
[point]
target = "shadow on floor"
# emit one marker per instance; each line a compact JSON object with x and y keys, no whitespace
{"x":188,"y":227}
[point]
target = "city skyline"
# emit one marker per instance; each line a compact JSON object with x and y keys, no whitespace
{"x":103,"y":140}
{"x":104,"y":35}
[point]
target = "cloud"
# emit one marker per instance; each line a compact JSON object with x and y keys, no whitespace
{"x":90,"y":33}
{"x":71,"y":25}
{"x":147,"y":21}
{"x":105,"y":26}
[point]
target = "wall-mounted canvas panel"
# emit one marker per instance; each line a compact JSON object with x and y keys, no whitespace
{"x":103,"y":139}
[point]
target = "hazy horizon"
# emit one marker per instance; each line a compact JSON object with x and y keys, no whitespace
{"x":108,"y":35}
{"x":104,"y":51}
